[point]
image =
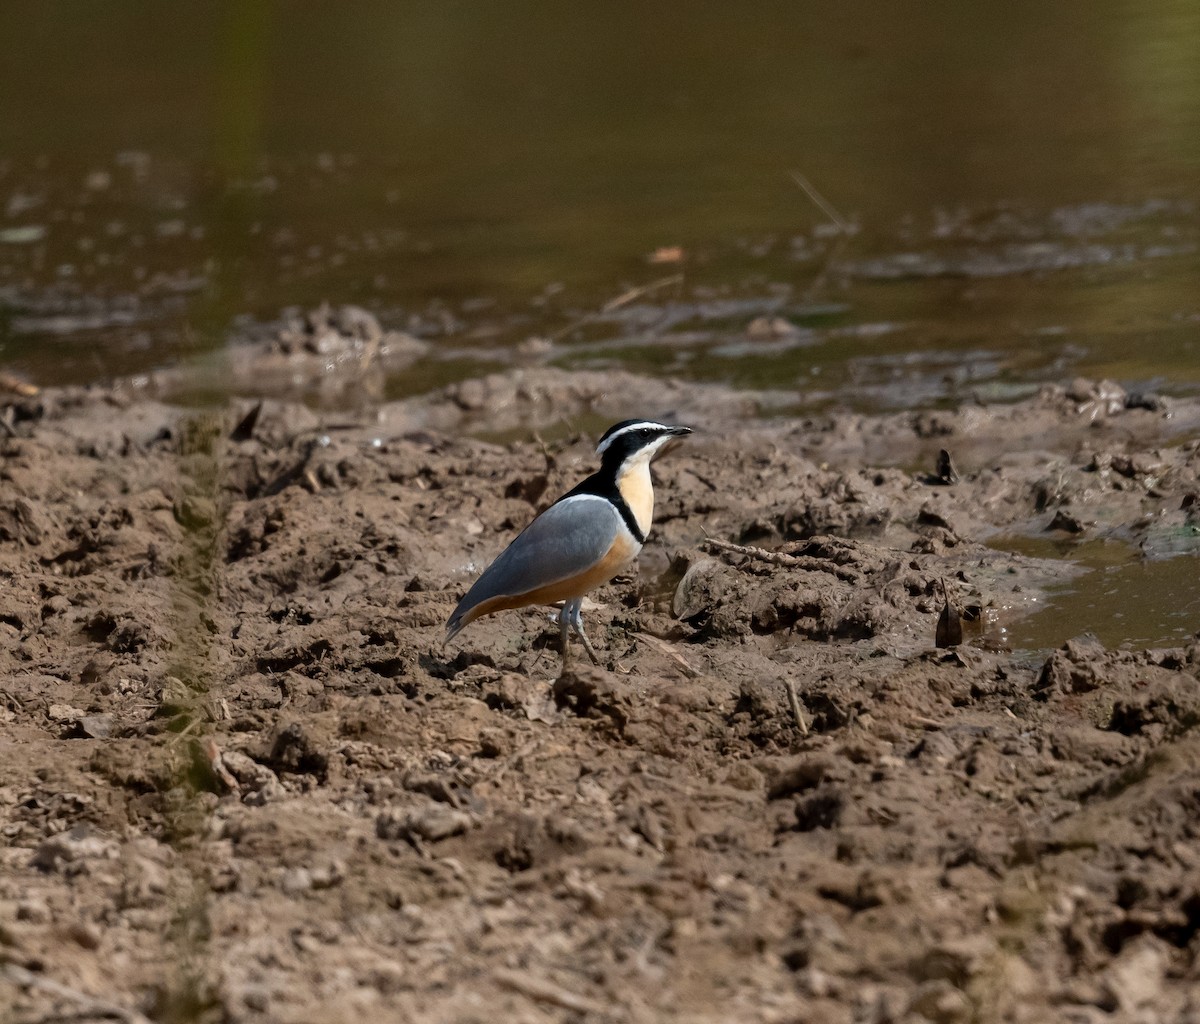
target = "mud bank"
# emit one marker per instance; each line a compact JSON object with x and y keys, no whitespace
{"x":241,"y":780}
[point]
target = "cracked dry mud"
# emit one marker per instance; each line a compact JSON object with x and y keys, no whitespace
{"x":240,"y":780}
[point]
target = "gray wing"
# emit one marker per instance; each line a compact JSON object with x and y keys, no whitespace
{"x":564,"y":541}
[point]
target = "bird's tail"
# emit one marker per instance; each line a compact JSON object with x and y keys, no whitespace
{"x":458,"y":619}
{"x":453,"y":627}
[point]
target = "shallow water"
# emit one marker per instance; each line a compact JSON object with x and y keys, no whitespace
{"x":1123,"y":598}
{"x":1021,"y":184}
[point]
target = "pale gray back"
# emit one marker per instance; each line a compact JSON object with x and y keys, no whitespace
{"x":564,"y":541}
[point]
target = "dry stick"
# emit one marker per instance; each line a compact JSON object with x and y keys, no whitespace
{"x":789,"y":561}
{"x":369,"y":352}
{"x":797,"y":713}
{"x":28,"y":979}
{"x":818,"y":282}
{"x":621,"y":300}
{"x":636,"y":293}
{"x":547,"y":992}
{"x":17,"y":386}
{"x":838,"y":221}
{"x":821,"y":202}
{"x":665,"y":648}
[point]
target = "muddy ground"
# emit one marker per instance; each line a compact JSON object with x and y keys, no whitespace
{"x":240,"y":779}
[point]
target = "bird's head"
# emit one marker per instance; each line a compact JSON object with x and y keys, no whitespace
{"x":633,"y":441}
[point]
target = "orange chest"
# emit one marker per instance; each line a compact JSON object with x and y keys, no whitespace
{"x":638,"y":493}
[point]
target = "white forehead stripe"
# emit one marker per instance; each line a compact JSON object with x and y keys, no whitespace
{"x":603,"y":446}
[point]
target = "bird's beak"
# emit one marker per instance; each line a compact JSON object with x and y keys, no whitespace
{"x":677,"y":434}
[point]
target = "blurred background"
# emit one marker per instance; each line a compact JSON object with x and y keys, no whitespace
{"x":1007,"y":194}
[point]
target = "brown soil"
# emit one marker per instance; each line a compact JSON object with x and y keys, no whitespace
{"x":241,"y":780}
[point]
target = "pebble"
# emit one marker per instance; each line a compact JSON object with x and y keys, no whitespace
{"x":470,"y":395}
{"x":256,"y":998}
{"x":941,"y":1003}
{"x":328,"y":875}
{"x":72,"y":847}
{"x":33,"y":910}
{"x":429,"y":823}
{"x":258,"y":782}
{"x":97,"y":727}
{"x":296,"y":881}
{"x":84,"y":934}
{"x":64,"y":713}
{"x":1135,"y":977}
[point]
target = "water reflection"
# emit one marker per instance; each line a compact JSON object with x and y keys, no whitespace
{"x":1021,"y":178}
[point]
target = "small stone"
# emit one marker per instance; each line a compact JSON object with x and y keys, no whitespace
{"x":258,"y":783}
{"x":470,"y":395}
{"x":770,"y":328}
{"x":256,"y":998}
{"x":33,"y":910}
{"x":1111,"y":396}
{"x":64,"y":713}
{"x":173,"y":698}
{"x":97,"y":727}
{"x":493,"y":742}
{"x":817,"y":983}
{"x":1081,"y":389}
{"x":97,"y":668}
{"x":56,"y":605}
{"x":73,"y":847}
{"x":699,"y":590}
{"x":296,"y":881}
{"x":744,"y":776}
{"x":1066,"y":522}
{"x":430,"y":823}
{"x":945,"y":472}
{"x":1145,"y":400}
{"x":328,"y":875}
{"x":957,"y":960}
{"x":941,"y":1003}
{"x":535,"y":348}
{"x":1135,"y":977}
{"x":144,"y":882}
{"x":84,"y":934}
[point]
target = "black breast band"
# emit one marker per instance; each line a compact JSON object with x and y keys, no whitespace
{"x":601,"y":485}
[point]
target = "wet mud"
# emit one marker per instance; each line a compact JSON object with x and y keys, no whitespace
{"x":241,"y":780}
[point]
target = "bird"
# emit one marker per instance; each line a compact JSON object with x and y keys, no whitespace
{"x":581,"y":541}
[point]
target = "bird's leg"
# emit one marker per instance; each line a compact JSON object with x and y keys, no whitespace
{"x":576,"y":607}
{"x":564,"y":627}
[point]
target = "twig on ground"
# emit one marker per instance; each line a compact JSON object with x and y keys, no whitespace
{"x":213,"y":753}
{"x":369,"y":352}
{"x":625,"y":298}
{"x":17,"y":386}
{"x":614,"y":304}
{"x":823,"y":204}
{"x":663,"y":647}
{"x":90,"y":1004}
{"x":797,"y":710}
{"x":843,"y":227}
{"x":543,"y":991}
{"x":789,"y":561}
